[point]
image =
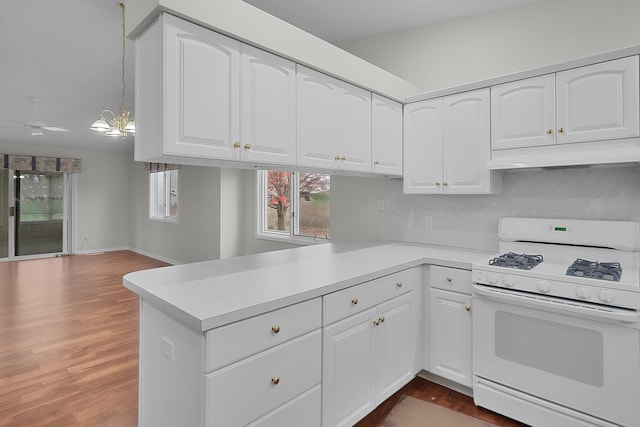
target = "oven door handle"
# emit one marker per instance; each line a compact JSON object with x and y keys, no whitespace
{"x":557,"y":305}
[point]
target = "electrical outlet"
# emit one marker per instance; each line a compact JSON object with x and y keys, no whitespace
{"x":167,"y":349}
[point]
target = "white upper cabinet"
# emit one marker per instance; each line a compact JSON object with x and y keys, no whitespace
{"x":187,"y":93}
{"x":598,"y":102}
{"x":268,"y":119}
{"x":423,"y":147}
{"x":201,"y":91}
{"x":386,"y":136}
{"x":333,"y":123}
{"x":523,"y":113}
{"x":447,"y":144}
{"x":466,"y":143}
{"x":593,"y":103}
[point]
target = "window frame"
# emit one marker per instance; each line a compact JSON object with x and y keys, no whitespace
{"x":262,"y":210}
{"x":153,"y":200}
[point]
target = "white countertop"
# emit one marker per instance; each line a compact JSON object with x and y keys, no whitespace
{"x":209,"y":294}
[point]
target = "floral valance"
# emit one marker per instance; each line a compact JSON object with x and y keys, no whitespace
{"x":159,"y":167}
{"x":40,"y":163}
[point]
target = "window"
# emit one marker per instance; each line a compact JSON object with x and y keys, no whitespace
{"x":163,"y":195}
{"x":294,"y":206}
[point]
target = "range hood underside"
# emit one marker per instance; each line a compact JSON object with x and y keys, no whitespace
{"x":621,"y":152}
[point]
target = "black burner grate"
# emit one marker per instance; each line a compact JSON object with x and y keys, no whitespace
{"x":595,"y":270}
{"x":514,"y":260}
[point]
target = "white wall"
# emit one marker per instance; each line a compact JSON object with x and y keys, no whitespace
{"x":102,"y":215}
{"x":197,"y":235}
{"x":503,"y":42}
{"x":355,"y":208}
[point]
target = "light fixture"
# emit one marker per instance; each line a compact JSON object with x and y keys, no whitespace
{"x":123,"y":123}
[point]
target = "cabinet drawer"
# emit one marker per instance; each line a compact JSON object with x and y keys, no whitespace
{"x":450,"y":279}
{"x":304,"y":410}
{"x":355,"y":299}
{"x":245,"y":391}
{"x":236,"y":341}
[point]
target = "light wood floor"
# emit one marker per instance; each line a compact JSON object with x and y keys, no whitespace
{"x":69,"y":346}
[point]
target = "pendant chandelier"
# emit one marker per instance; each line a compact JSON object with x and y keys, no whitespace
{"x":123,"y":123}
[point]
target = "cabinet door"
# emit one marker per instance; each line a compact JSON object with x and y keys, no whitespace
{"x":523,"y":113}
{"x":423,"y":147}
{"x":467,"y":142}
{"x":201,"y":91}
{"x":598,"y":102}
{"x":348,"y":376}
{"x":354,"y":145}
{"x":268,"y":90}
{"x":450,"y":335}
{"x":317,"y":119}
{"x":395,"y":345}
{"x":386,"y":136}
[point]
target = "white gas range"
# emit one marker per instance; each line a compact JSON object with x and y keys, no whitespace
{"x":556,"y":323}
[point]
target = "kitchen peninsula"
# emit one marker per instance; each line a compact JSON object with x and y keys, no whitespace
{"x":251,"y":339}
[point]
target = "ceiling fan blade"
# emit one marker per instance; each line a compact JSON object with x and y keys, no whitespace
{"x":14,"y":125}
{"x":54,"y":129}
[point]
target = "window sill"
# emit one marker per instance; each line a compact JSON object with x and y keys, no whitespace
{"x":294,"y":240}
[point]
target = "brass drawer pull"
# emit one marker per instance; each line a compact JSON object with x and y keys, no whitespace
{"x":467,"y":307}
{"x":275,"y":380}
{"x":275,"y":329}
{"x":449,"y":279}
{"x":381,"y":319}
{"x":376,"y":322}
{"x":354,"y":301}
{"x":236,"y":145}
{"x":247,"y":146}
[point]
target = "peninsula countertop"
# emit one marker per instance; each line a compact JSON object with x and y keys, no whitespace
{"x":209,"y":294}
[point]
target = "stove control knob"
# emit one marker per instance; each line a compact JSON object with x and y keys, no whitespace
{"x":606,"y":296}
{"x":583,"y":292}
{"x":544,"y":286}
{"x":508,"y":281}
{"x":492,"y":279}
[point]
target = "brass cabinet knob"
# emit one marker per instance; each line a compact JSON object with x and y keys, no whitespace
{"x":376,"y":163}
{"x":236,"y":145}
{"x":449,"y":279}
{"x":445,"y":183}
{"x":247,"y":146}
{"x":561,"y":130}
{"x":343,"y":158}
{"x":376,"y":322}
{"x":381,"y":319}
{"x":275,"y":329}
{"x":467,"y":307}
{"x":336,"y":158}
{"x":549,"y":131}
{"x":275,"y":380}
{"x":354,"y":301}
{"x":399,"y":285}
{"x":437,"y":184}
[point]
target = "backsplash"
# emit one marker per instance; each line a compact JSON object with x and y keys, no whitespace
{"x":471,"y":221}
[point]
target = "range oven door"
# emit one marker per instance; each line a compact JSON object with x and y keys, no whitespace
{"x":579,"y":360}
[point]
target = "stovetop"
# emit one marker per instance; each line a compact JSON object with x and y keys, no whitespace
{"x":595,"y":270}
{"x":515,"y":260}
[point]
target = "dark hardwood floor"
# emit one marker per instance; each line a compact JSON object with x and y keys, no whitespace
{"x":69,"y":346}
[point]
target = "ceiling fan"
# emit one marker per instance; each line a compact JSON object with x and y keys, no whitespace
{"x":36,"y":127}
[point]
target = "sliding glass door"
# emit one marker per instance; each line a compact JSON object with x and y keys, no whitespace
{"x":34,"y":213}
{"x":5,"y":197}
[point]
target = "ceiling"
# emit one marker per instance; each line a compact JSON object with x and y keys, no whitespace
{"x":68,"y":53}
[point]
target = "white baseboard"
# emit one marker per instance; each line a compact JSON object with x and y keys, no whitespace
{"x":155,"y":256}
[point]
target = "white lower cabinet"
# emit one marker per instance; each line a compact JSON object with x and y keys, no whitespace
{"x":450,"y":324}
{"x":369,"y":355}
{"x":264,"y":382}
